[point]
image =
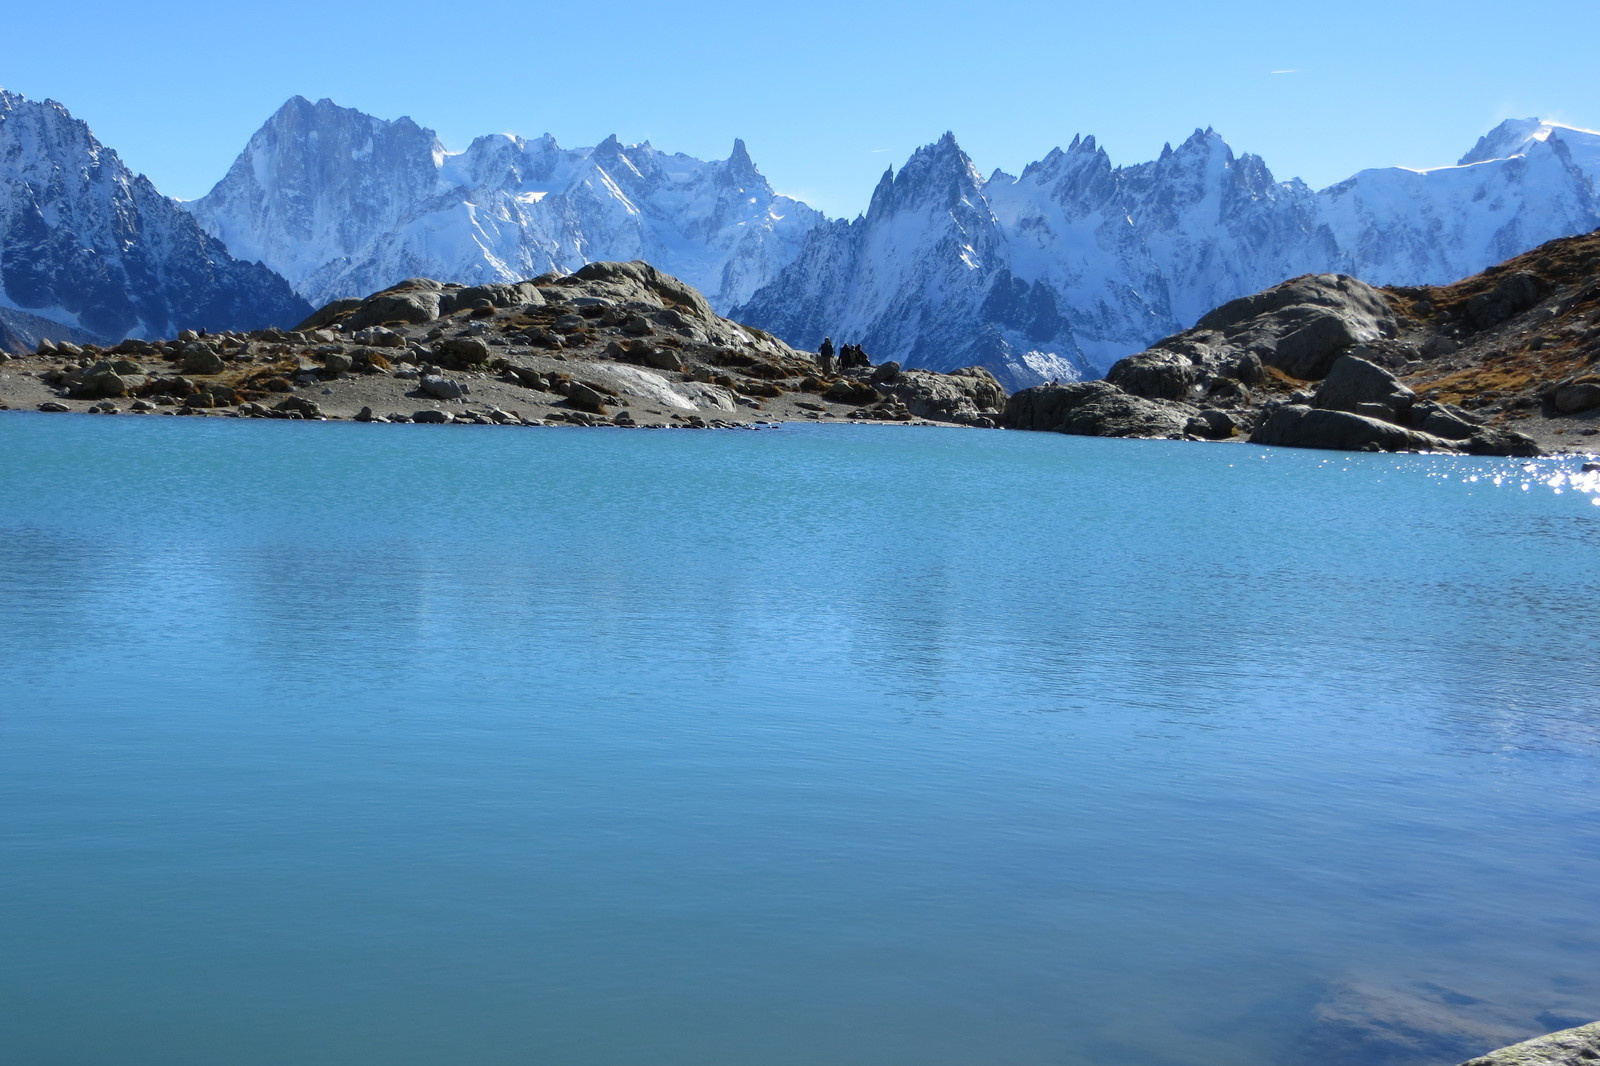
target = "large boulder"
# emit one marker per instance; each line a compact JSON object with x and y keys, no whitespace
{"x":1578,"y":395}
{"x":1362,"y":387}
{"x":200,"y":359}
{"x":966,"y":396}
{"x":1298,"y":426}
{"x":1156,"y":374}
{"x":1512,"y":294}
{"x":1569,"y":1047}
{"x":442,"y":388}
{"x":1442,"y":420}
{"x":468,"y":351}
{"x":100,"y":383}
{"x":640,"y":281}
{"x":1097,"y":409}
{"x":413,"y":301}
{"x":1302,"y":325}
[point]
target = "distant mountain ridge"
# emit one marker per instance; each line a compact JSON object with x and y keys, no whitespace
{"x":342,"y":204}
{"x":1055,"y":273}
{"x":86,"y":243}
{"x":1075,"y":263}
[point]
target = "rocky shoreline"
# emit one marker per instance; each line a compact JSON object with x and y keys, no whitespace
{"x":1506,"y":363}
{"x":614,"y":344}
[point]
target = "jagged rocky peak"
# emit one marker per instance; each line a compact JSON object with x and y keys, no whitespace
{"x":740,"y":170}
{"x":85,"y":242}
{"x":1129,"y":254}
{"x":938,"y":175}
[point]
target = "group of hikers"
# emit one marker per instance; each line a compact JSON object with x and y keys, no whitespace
{"x":848,"y":357}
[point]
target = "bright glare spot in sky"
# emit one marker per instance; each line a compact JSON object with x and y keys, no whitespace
{"x":828,"y":95}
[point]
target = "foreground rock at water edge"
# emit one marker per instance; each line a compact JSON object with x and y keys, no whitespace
{"x":1570,"y":1047}
{"x":614,"y":344}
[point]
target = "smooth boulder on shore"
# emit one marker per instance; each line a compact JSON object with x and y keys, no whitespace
{"x":1299,"y":426}
{"x":1096,"y":409}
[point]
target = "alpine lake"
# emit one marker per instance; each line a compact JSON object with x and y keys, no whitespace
{"x":340,"y":745}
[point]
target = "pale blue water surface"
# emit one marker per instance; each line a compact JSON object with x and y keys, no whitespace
{"x":338,"y":745}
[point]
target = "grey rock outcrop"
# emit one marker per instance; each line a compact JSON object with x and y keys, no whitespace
{"x":970,"y":395}
{"x":1157,"y":374}
{"x":1096,"y":409}
{"x":1569,"y":1047}
{"x":1302,"y":325}
{"x":1299,"y":426}
{"x":1360,"y":387}
{"x":442,"y":388}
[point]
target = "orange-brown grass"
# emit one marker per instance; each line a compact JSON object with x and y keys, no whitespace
{"x":1515,"y":372}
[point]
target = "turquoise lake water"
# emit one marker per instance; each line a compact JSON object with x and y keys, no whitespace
{"x":358,"y":745}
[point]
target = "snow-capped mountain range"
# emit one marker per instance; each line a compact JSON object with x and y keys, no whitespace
{"x":1057,"y":272}
{"x":1064,"y":269}
{"x":87,"y":244}
{"x":343,"y":204}
{"x":1054,"y":273}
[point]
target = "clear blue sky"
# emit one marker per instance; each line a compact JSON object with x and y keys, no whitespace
{"x":825,"y":94}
